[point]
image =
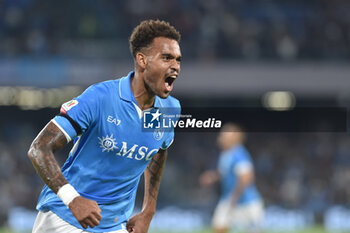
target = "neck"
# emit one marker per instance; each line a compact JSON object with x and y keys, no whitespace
{"x":230,"y":146}
{"x":144,"y":98}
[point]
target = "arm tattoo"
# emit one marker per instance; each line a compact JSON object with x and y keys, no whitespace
{"x":41,"y":154}
{"x":155,"y":169}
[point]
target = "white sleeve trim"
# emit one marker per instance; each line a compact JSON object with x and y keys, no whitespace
{"x":243,"y":168}
{"x":62,"y":130}
{"x":168,"y":145}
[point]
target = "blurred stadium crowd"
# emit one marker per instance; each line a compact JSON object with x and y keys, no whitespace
{"x":240,"y":29}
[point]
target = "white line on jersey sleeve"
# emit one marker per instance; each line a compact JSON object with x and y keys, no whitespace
{"x":62,"y":130}
{"x":243,"y":168}
{"x":75,"y":146}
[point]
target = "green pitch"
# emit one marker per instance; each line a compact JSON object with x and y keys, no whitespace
{"x":311,"y":230}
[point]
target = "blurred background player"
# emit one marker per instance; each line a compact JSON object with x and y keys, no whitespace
{"x":240,"y":203}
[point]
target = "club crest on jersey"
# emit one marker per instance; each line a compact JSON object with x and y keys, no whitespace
{"x":158,"y":134}
{"x":68,"y":105}
{"x":108,"y":143}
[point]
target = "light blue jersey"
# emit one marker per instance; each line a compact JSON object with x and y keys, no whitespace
{"x":109,"y":154}
{"x":231,"y":163}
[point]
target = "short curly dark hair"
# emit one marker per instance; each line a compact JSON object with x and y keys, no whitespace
{"x":143,"y":35}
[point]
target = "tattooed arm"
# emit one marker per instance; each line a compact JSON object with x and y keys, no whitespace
{"x":41,"y":153}
{"x":153,"y":174}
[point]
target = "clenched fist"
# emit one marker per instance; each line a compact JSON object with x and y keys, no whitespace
{"x":86,"y":211}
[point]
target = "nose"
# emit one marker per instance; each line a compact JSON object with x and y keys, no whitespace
{"x":175,"y":66}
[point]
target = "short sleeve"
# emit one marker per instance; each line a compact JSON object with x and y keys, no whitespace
{"x":243,"y":162}
{"x":243,"y":167}
{"x":79,"y":113}
{"x":168,"y":141}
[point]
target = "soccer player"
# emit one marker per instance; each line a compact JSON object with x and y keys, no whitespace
{"x":240,"y":204}
{"x":96,"y":188}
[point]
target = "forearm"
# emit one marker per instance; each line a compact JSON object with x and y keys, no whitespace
{"x":243,"y":182}
{"x":41,"y":154}
{"x":47,"y":168}
{"x":237,"y":193}
{"x":153,"y":175}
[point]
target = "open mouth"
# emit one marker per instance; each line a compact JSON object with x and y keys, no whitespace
{"x":169,"y":81}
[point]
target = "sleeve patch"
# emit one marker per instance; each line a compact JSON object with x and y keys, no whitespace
{"x":68,"y":105}
{"x":243,"y":167}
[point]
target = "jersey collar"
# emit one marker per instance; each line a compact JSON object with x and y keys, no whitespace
{"x":126,"y":94}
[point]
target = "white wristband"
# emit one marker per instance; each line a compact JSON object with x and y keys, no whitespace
{"x":67,"y":193}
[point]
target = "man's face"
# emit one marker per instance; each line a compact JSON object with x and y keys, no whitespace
{"x":228,"y":137}
{"x":162,"y":67}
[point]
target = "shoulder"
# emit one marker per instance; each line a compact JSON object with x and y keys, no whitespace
{"x":171,"y":106}
{"x":242,"y":153}
{"x":104,"y":86}
{"x":170,"y":102}
{"x":101,"y":90}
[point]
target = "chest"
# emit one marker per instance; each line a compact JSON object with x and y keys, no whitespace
{"x":226,"y":164}
{"x":120,"y":132}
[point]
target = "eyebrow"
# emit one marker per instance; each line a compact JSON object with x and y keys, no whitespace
{"x":179,"y":58}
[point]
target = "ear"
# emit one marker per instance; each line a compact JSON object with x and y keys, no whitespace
{"x":141,"y":60}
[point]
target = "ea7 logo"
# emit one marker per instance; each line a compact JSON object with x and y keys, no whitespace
{"x":113,"y":120}
{"x":68,"y":105}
